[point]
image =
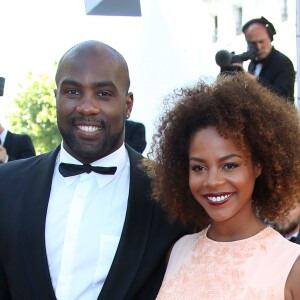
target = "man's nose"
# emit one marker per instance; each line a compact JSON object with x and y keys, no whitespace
{"x":258,"y":46}
{"x":88,"y":105}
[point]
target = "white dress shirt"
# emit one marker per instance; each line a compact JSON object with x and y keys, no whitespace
{"x":2,"y":139}
{"x":258,"y":69}
{"x":3,"y":136}
{"x":85,"y":218}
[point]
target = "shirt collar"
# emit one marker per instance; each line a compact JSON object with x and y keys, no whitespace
{"x":295,"y":235}
{"x":118,"y":159}
{"x":3,"y":136}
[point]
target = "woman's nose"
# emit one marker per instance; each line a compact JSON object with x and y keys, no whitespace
{"x":214,"y":178}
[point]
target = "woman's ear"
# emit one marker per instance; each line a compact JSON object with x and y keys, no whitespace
{"x":258,"y":169}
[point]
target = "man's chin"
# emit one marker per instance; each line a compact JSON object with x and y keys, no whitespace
{"x":261,"y":57}
{"x":88,"y":156}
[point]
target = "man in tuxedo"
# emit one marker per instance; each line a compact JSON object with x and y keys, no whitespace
{"x":14,"y":146}
{"x":135,"y":135}
{"x":270,"y":67}
{"x":289,"y":227}
{"x":79,"y":222}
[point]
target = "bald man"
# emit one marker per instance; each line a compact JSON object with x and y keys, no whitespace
{"x":270,"y":67}
{"x":78,"y":222}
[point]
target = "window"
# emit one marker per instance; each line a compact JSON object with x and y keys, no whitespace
{"x":284,"y":10}
{"x":238,"y":16}
{"x":215,"y":31}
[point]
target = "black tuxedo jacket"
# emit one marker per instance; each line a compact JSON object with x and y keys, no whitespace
{"x":277,"y":74}
{"x":135,"y":135}
{"x":297,"y":241}
{"x":18,"y":146}
{"x":138,"y":266}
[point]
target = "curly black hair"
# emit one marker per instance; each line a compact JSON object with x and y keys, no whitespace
{"x":250,"y":115}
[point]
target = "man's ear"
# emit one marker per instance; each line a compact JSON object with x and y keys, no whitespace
{"x":55,"y":92}
{"x":130,"y":95}
{"x":129,"y":104}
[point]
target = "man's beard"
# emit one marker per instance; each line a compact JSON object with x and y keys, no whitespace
{"x":91,"y":150}
{"x":289,"y":228}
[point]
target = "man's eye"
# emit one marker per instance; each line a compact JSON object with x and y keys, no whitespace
{"x":104,"y":93}
{"x":72,"y":92}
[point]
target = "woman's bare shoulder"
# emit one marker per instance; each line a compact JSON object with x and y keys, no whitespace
{"x":292,"y":286}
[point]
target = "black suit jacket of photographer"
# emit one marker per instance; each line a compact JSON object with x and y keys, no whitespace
{"x":277,"y":74}
{"x":18,"y":146}
{"x":135,"y":135}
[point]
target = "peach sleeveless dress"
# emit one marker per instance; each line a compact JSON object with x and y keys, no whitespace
{"x":251,"y":269}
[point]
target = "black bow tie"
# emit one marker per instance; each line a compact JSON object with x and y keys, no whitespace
{"x":258,"y":61}
{"x":293,"y":239}
{"x":67,"y":170}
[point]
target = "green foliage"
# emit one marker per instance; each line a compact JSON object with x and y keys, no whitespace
{"x":35,"y":113}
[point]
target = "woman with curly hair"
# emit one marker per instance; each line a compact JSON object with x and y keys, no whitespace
{"x":226,"y":160}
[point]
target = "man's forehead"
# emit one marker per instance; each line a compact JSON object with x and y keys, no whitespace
{"x":94,"y":58}
{"x":256,"y":27}
{"x":84,"y":65}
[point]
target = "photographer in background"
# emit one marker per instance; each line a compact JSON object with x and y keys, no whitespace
{"x":289,"y":227}
{"x":14,"y":146}
{"x":272,"y":68}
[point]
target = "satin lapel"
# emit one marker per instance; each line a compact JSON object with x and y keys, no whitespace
{"x":251,"y":67}
{"x":134,"y":235}
{"x":36,"y":196}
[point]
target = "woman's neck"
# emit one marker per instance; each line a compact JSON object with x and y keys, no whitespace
{"x":230,"y":230}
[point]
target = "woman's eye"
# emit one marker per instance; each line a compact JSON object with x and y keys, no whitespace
{"x":229,"y":166}
{"x":198,"y":168}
